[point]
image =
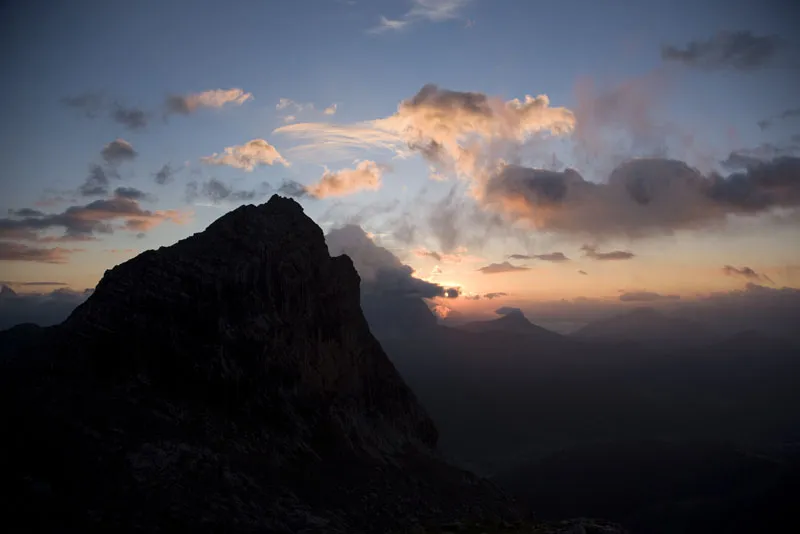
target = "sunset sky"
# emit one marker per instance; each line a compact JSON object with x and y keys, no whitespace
{"x":594,"y":152}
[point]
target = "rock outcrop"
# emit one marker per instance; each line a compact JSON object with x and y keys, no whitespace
{"x":227,"y":383}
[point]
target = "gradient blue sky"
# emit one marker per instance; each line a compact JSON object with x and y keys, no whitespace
{"x":327,"y":52}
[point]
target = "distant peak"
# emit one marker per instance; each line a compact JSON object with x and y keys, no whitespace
{"x":7,"y":291}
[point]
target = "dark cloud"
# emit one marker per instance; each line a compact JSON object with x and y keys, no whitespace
{"x":505,"y":267}
{"x":131,"y":118}
{"x":424,"y":253}
{"x":580,"y":271}
{"x":739,"y":50}
{"x":745,"y":158}
{"x":591,"y":252}
{"x":292,"y":189}
{"x":132,"y":193}
{"x":26,"y":284}
{"x":495,"y":295}
{"x":507,"y":310}
{"x":165,"y":174}
{"x":89,"y":104}
{"x":216,"y":191}
{"x":645,"y":296}
{"x":117,"y":152}
{"x":21,"y":252}
{"x":80,"y":223}
{"x":785,"y":114}
{"x":641,"y":197}
{"x":382,"y":273}
{"x":745,"y":272}
{"x":555,"y":257}
{"x":96,"y":183}
{"x":25,"y":212}
{"x":93,"y":105}
{"x":44,"y":309}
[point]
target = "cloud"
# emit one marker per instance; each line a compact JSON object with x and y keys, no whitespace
{"x":21,"y":252}
{"x":453,"y":130}
{"x":520,"y":257}
{"x":386,"y":24}
{"x":785,"y":114}
{"x":92,"y":105}
{"x":89,"y":103}
{"x":591,"y":252}
{"x":44,"y":309}
{"x":131,"y":118}
{"x":495,"y":295}
{"x":247,"y":156}
{"x":25,"y":212}
{"x":582,"y":272}
{"x":746,"y":272}
{"x":13,"y":284}
{"x":81,"y":223}
{"x":331,"y":110}
{"x":505,"y":267}
{"x":507,"y":310}
{"x":96,"y":184}
{"x":555,"y":257}
{"x":292,"y":189}
{"x":132,"y":193}
{"x":641,"y":197}
{"x":381,"y":272}
{"x":216,"y":98}
{"x":645,"y":296}
{"x":117,"y":152}
{"x":216,"y":192}
{"x":740,"y":50}
{"x":425,"y":253}
{"x":366,"y":176}
{"x":165,"y":174}
{"x":421,"y":11}
{"x":745,"y":158}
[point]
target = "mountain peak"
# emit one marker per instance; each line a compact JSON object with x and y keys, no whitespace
{"x":231,"y":382}
{"x":6,"y":291}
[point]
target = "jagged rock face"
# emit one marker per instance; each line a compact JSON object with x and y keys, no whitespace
{"x":228,"y":382}
{"x":254,"y":311}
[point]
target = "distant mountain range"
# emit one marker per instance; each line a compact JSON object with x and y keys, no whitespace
{"x":646,"y":325}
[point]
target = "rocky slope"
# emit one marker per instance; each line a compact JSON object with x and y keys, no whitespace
{"x":226,"y":383}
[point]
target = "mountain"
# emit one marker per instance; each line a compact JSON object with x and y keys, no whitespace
{"x":229,"y":383}
{"x":513,"y":322}
{"x":6,"y":292}
{"x":644,"y":325}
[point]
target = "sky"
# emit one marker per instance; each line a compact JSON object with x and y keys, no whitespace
{"x":638,"y":152}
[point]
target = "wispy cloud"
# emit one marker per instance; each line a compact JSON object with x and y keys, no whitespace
{"x":741,"y":50}
{"x":422,"y":11}
{"x":21,"y":252}
{"x":591,"y":252}
{"x":645,"y":296}
{"x":746,"y":272}
{"x":505,"y":267}
{"x":785,"y":114}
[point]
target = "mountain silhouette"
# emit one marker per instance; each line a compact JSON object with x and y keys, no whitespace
{"x":513,"y":322}
{"x":644,"y":325}
{"x":229,"y":383}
